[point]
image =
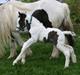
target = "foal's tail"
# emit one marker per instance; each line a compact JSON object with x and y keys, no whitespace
{"x":70,"y":37}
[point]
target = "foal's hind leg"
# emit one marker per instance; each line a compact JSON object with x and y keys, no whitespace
{"x":68,"y":52}
{"x":65,"y":50}
{"x":73,"y":55}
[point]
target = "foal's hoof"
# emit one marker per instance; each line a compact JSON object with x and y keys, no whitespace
{"x":74,"y":59}
{"x":23,"y":61}
{"x":65,"y":67}
{"x":14,"y":62}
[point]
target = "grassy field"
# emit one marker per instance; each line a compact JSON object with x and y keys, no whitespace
{"x":40,"y":64}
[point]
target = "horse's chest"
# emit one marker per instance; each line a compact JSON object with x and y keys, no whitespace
{"x":37,"y":32}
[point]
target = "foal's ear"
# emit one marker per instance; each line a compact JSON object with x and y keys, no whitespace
{"x":19,"y":14}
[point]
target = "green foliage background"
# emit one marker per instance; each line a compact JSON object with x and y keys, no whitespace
{"x":75,"y":10}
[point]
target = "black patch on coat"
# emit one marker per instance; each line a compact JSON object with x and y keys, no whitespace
{"x":42,"y":16}
{"x":22,"y":23}
{"x":53,"y":37}
{"x":70,"y":39}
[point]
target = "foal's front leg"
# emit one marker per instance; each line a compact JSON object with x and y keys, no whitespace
{"x":24,"y":48}
{"x":28,"y":53}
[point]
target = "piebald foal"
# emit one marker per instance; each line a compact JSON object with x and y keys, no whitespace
{"x":39,"y":31}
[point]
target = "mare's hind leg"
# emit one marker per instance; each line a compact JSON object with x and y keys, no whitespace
{"x":55,"y":53}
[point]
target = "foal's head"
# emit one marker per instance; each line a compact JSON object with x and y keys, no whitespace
{"x":22,"y":22}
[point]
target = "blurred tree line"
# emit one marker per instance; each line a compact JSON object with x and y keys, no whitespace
{"x":75,"y":9}
{"x":74,"y":6}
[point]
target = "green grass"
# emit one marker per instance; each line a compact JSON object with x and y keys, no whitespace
{"x":40,"y":64}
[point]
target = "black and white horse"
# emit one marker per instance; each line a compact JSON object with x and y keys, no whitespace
{"x":39,"y":31}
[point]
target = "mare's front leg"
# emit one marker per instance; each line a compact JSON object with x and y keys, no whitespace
{"x":24,"y":48}
{"x":17,"y":38}
{"x":13,"y":52}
